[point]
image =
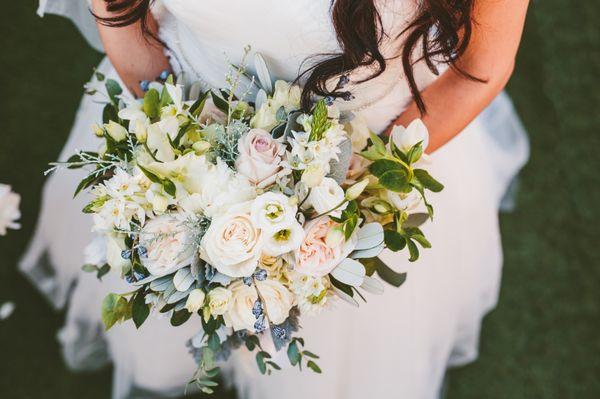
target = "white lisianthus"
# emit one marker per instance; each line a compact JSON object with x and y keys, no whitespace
{"x":316,"y":257}
{"x":239,"y":315}
{"x":286,"y":238}
{"x":169,"y":244}
{"x":195,"y":300}
{"x":116,"y":131}
{"x":313,"y":175}
{"x":9,"y":209}
{"x":219,"y":301}
{"x":277,"y":300}
{"x":260,"y":158}
{"x":406,"y":138}
{"x":312,"y":293}
{"x":327,"y":196}
{"x":272,"y":211}
{"x":115,"y":245}
{"x":233,"y":244}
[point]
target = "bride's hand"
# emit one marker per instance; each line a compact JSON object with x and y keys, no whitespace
{"x":135,"y":57}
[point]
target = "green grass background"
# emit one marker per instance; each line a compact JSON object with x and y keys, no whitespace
{"x":541,"y":342}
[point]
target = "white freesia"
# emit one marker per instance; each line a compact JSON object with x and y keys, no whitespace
{"x":116,"y":131}
{"x":327,"y":196}
{"x":239,"y":316}
{"x":169,"y":244}
{"x":277,"y":300}
{"x":272,"y":211}
{"x":286,"y":238}
{"x":260,"y":157}
{"x":9,"y":209}
{"x":219,"y":301}
{"x":233,"y":244}
{"x":195,"y":300}
{"x":406,"y":138}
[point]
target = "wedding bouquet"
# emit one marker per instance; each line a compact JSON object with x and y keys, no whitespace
{"x":246,"y":214}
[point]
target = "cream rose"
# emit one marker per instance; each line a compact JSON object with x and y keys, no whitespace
{"x":240,"y":316}
{"x":260,"y":158}
{"x":219,"y":301}
{"x":233,"y":244}
{"x":316,"y":257}
{"x":195,"y":300}
{"x":277,"y":300}
{"x":169,"y":245}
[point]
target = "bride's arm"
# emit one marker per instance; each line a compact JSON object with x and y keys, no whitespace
{"x":453,"y":101}
{"x":135,"y":57}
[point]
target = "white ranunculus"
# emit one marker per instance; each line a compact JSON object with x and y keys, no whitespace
{"x":271,"y":211}
{"x":219,"y":301}
{"x":169,"y":244}
{"x":9,"y":209}
{"x":286,"y":238}
{"x":327,"y":196}
{"x":406,"y":138}
{"x":233,"y":243}
{"x":260,"y":158}
{"x":116,"y":131}
{"x":239,"y":316}
{"x":277,"y":300}
{"x":195,"y":300}
{"x":115,"y":245}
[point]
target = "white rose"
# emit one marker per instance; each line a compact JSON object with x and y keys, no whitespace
{"x":115,"y":245}
{"x":219,"y":301}
{"x":233,"y":244}
{"x":116,"y":131}
{"x":195,"y":300}
{"x":272,"y":210}
{"x":169,"y":245}
{"x":286,"y":238}
{"x":277,"y":300}
{"x":406,"y":138}
{"x":264,"y":118}
{"x":260,"y":158}
{"x":9,"y":209}
{"x":239,"y":315}
{"x":326,"y":196}
{"x":287,"y":96}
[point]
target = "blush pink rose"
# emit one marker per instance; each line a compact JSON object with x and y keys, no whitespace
{"x":315,"y":257}
{"x":260,"y":157}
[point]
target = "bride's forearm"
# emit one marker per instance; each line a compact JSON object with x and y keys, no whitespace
{"x":134,"y":56}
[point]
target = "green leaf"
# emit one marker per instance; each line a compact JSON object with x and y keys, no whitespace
{"x":293,"y":353}
{"x":109,"y":113}
{"x":198,"y":106}
{"x":345,"y":288}
{"x":413,"y":250}
{"x":394,"y":241}
{"x":85,"y":183}
{"x":151,"y":176}
{"x":274,"y":365}
{"x":214,"y":342}
{"x":394,"y":180}
{"x":113,"y":88}
{"x":114,"y":308}
{"x":220,"y":102}
{"x":260,"y":361}
{"x":415,"y":153}
{"x":152,"y":103}
{"x":89,"y":268}
{"x":165,"y":98}
{"x":103,"y":271}
{"x":310,"y":354}
{"x":140,"y":310}
{"x":381,"y":166}
{"x":169,"y":187}
{"x":313,"y":366}
{"x":427,"y":181}
{"x":387,"y":274}
{"x":180,"y":317}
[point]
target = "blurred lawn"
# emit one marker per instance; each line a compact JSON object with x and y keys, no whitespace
{"x":541,"y":342}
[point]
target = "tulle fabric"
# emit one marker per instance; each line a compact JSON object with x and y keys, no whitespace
{"x":397,"y":345}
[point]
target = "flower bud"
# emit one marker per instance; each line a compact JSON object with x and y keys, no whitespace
{"x":98,"y":131}
{"x":195,"y":300}
{"x":355,"y":190}
{"x":116,"y":131}
{"x":141,"y":133}
{"x":200,"y":147}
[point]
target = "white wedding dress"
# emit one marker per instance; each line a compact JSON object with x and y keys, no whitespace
{"x":397,"y":345}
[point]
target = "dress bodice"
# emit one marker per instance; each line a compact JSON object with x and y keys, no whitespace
{"x":205,"y":36}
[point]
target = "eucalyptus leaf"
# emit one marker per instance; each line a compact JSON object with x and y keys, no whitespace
{"x":369,"y":236}
{"x":372,"y":285}
{"x":262,"y":72}
{"x":261,"y":99}
{"x":338,"y":169}
{"x":345,"y":296}
{"x":178,"y":296}
{"x":350,"y":272}
{"x":183,"y":279}
{"x":161,"y":283}
{"x":368,"y":253}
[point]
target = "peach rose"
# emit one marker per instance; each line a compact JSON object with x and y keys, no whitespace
{"x":316,"y":257}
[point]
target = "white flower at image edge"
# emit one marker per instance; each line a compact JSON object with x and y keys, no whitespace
{"x":9,"y":209}
{"x":406,"y":138}
{"x":233,"y":243}
{"x":169,"y":244}
{"x":271,"y":211}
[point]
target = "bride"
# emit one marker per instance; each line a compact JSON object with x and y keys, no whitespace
{"x":443,"y":61}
